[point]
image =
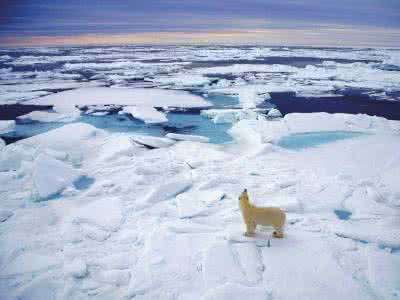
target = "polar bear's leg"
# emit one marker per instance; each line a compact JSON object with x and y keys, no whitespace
{"x":278,"y":233}
{"x":250,"y":229}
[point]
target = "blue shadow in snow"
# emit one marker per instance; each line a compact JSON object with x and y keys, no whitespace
{"x":83,"y":183}
{"x":342,"y":214}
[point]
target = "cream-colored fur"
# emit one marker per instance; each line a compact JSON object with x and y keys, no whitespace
{"x":253,"y":216}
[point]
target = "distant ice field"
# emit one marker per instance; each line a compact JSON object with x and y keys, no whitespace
{"x":34,"y":82}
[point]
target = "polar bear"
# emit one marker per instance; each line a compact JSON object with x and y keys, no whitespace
{"x":253,"y":216}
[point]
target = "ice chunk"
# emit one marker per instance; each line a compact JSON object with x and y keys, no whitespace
{"x":29,"y":262}
{"x":74,"y":139}
{"x":5,"y":215}
{"x":2,"y":143}
{"x":15,"y":97}
{"x":274,"y":113}
{"x":153,"y":142}
{"x":244,"y":68}
{"x":51,"y":176}
{"x":45,"y":116}
{"x":117,"y":147}
{"x":7,"y":126}
{"x":258,"y":131}
{"x":191,"y":204}
{"x":220,"y":116}
{"x":249,"y":98}
{"x":104,"y":213}
{"x":77,"y":268}
{"x":147,"y":114}
{"x":183,"y":80}
{"x":189,"y":207}
{"x":385,"y":232}
{"x":234,"y":291}
{"x":168,"y":190}
{"x":188,"y":137}
{"x":123,"y":96}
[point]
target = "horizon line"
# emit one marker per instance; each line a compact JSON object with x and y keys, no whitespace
{"x":324,"y":37}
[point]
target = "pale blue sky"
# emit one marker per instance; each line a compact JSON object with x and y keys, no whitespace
{"x":20,"y":18}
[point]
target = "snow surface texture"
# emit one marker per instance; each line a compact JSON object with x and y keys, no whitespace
{"x":164,"y":223}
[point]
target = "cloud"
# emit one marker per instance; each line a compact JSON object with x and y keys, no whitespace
{"x":62,"y":18}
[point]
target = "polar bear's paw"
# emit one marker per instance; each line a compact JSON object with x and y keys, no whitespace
{"x":278,"y":235}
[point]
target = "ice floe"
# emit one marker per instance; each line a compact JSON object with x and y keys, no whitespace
{"x":148,"y":115}
{"x":221,"y":116}
{"x":51,"y":176}
{"x":187,"y":137}
{"x":153,"y":142}
{"x":124,"y":97}
{"x":7,"y":126}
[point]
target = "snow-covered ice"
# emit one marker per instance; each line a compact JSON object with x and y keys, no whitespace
{"x":274,"y":113}
{"x":220,"y":116}
{"x":153,"y":142}
{"x":7,"y":126}
{"x":122,"y":96}
{"x":51,"y":175}
{"x":187,"y":137}
{"x":161,"y":221}
{"x":130,"y":215}
{"x":149,"y":115}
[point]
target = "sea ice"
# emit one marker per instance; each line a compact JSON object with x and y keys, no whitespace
{"x":221,"y":116}
{"x":168,"y":190}
{"x":187,"y":137}
{"x":234,"y":291}
{"x":274,"y":113}
{"x":77,"y":268}
{"x":192,"y":204}
{"x":30,"y":262}
{"x":124,"y":97}
{"x":45,"y":116}
{"x":5,"y":215}
{"x":104,"y":213}
{"x":148,"y":115}
{"x":183,"y":80}
{"x":153,"y":142}
{"x":51,"y":176}
{"x":99,"y":242}
{"x":249,"y":98}
{"x":7,"y":126}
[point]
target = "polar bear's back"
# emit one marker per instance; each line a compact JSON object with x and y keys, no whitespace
{"x":268,"y":216}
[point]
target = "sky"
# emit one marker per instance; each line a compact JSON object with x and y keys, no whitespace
{"x":275,"y":22}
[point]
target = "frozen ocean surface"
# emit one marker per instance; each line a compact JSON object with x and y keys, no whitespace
{"x":145,"y":150}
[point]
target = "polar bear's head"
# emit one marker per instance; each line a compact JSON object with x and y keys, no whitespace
{"x":244,"y":197}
